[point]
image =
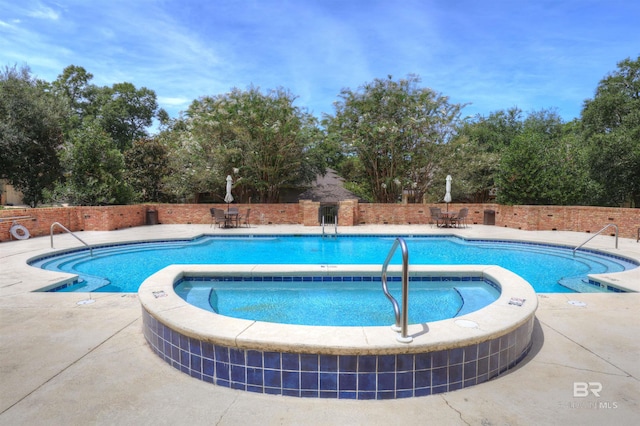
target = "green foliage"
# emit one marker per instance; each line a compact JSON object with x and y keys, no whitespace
{"x":387,"y":139}
{"x":474,"y":156}
{"x":147,"y":164}
{"x":122,"y":110}
{"x":95,"y":169}
{"x":495,"y":132}
{"x":611,"y":124}
{"x":126,"y":112}
{"x":543,"y":164}
{"x":31,"y":127}
{"x":473,"y":165}
{"x":262,"y":140}
{"x":73,"y":87}
{"x":396,"y":129}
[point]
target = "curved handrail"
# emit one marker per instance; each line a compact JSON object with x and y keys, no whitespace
{"x":401,"y":318}
{"x":54,"y":224}
{"x":595,"y":235}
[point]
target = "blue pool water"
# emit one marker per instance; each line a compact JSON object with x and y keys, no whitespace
{"x":344,"y":303}
{"x":122,"y":268}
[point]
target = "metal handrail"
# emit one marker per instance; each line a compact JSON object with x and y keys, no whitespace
{"x":54,"y":224}
{"x":402,"y":319}
{"x":335,"y":226}
{"x":595,"y":235}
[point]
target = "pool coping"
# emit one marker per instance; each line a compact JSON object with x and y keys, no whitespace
{"x":158,"y":298}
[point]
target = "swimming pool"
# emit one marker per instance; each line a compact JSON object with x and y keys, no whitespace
{"x":548,"y":268}
{"x":340,"y":301}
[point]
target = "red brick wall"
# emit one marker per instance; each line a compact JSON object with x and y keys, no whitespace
{"x":410,"y":214}
{"x":570,"y":218}
{"x":39,"y":221}
{"x":351,"y":213}
{"x":261,"y":214}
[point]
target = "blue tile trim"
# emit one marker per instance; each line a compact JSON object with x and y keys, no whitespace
{"x":339,"y":376}
{"x":289,"y":278}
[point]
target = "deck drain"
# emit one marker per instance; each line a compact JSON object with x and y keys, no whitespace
{"x":85,"y":302}
{"x":576,"y":303}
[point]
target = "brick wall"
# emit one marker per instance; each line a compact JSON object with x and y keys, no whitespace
{"x":261,"y":214}
{"x":570,"y":218}
{"x":350,"y":213}
{"x":411,"y":214}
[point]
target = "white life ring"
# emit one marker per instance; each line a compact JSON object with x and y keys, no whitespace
{"x":19,"y":232}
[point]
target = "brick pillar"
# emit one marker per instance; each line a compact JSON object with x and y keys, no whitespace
{"x":309,"y":210}
{"x":347,"y":212}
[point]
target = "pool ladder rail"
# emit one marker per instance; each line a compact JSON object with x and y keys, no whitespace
{"x":54,"y":224}
{"x":402,"y":318}
{"x":335,"y":227}
{"x":595,"y":235}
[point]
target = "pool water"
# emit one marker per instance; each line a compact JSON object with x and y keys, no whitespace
{"x":122,"y":268}
{"x":344,"y":303}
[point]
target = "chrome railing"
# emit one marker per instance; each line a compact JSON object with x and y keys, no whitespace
{"x":402,"y":318}
{"x":595,"y":235}
{"x":335,"y":226}
{"x":54,"y":224}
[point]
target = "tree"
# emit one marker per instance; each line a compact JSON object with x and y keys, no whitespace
{"x":126,"y":112}
{"x":611,"y":125}
{"x":73,"y":85}
{"x":473,"y":167}
{"x":263,"y":140}
{"x":94,"y":167}
{"x":474,"y":155}
{"x":31,"y":131}
{"x":147,"y":164}
{"x":397,"y":130}
{"x":122,"y":110}
{"x":543,"y":164}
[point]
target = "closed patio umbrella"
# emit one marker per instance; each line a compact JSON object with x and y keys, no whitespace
{"x":228,"y":198}
{"x":447,"y":196}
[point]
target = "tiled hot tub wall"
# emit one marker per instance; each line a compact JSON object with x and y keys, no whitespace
{"x":339,"y":376}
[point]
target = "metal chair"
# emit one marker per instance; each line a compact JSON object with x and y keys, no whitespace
{"x":244,"y":219}
{"x":219,"y":218}
{"x":436,"y":214}
{"x":462,"y":217}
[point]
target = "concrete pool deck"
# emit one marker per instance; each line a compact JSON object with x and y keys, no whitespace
{"x":67,"y":363}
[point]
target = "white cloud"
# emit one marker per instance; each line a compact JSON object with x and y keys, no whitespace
{"x":43,"y":12}
{"x":494,"y":56}
{"x":174,"y":101}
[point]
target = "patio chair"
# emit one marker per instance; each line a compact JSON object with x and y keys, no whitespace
{"x":219,"y":218}
{"x":244,"y":219}
{"x":436,"y":215}
{"x":461,"y":218}
{"x":213,"y":216}
{"x":233,"y":216}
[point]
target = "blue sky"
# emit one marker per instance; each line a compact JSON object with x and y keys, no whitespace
{"x":491,"y":54}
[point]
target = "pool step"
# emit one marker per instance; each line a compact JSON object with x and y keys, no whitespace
{"x":474,"y":298}
{"x":580,"y":285}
